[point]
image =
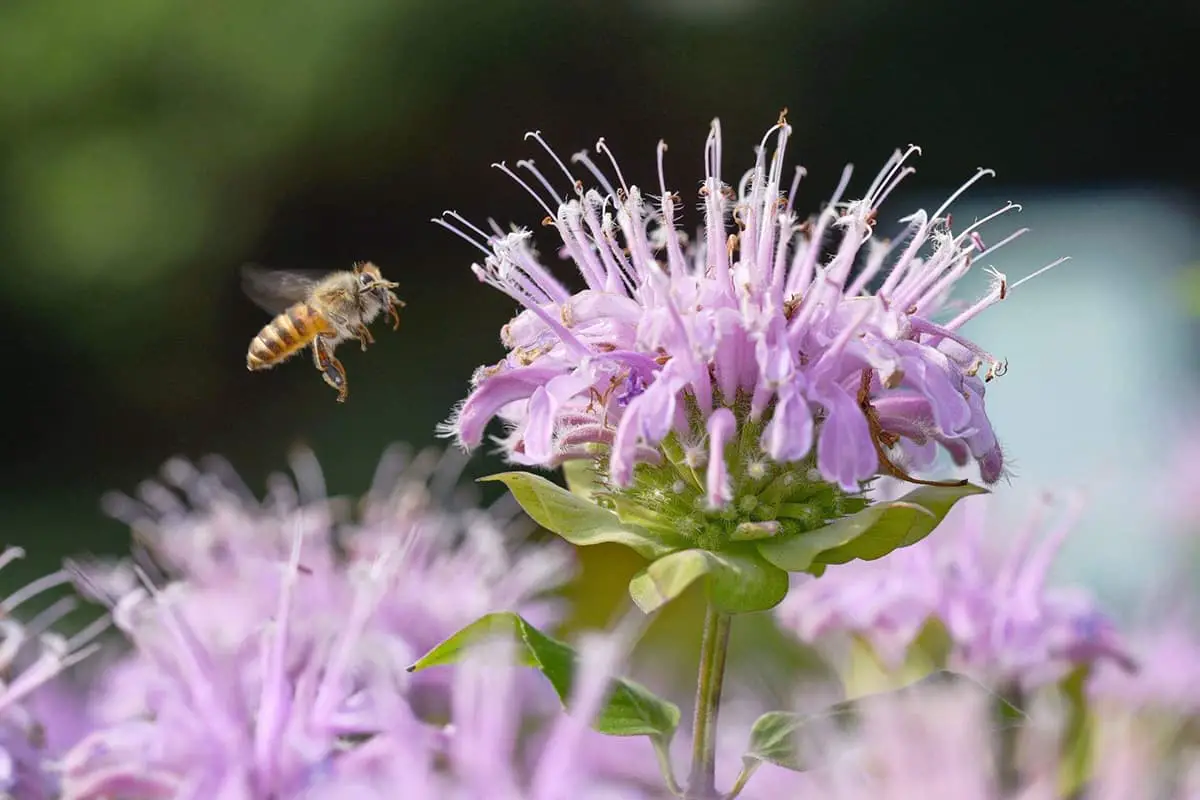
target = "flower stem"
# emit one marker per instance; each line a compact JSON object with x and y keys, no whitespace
{"x":713,"y":648}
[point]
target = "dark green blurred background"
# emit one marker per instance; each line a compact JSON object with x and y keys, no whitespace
{"x":148,"y":148}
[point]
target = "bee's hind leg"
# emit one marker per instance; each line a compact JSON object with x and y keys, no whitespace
{"x":331,"y":369}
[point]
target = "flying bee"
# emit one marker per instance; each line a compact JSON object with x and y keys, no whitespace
{"x":321,"y":311}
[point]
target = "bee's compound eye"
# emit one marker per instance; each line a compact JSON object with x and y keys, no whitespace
{"x":366,"y":279}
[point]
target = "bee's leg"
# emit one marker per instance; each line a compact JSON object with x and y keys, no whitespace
{"x":364,"y":336}
{"x":331,"y":369}
{"x":393,"y":304}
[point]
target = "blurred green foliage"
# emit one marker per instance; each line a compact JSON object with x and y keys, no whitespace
{"x":146,"y":138}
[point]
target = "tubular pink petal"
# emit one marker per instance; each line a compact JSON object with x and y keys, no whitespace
{"x":789,"y":434}
{"x":721,"y":427}
{"x":845,"y":453}
{"x":492,"y":394}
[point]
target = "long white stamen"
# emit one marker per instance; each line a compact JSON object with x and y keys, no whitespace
{"x":527,"y":164}
{"x":803,"y":276}
{"x":33,"y":589}
{"x":712,"y":151}
{"x":46,"y":618}
{"x":93,"y":630}
{"x":484,"y":237}
{"x":442,"y":223}
{"x":895,"y":173}
{"x":1034,"y":274}
{"x":662,"y":176}
{"x":1001,"y":288}
{"x":876,"y":202}
{"x":1012,"y":237}
{"x":900,"y":272}
{"x":582,"y":157}
{"x":537,"y":137}
{"x":10,"y":555}
{"x":979,"y":223}
{"x":675,"y":256}
{"x":766,"y":232}
{"x":791,"y":199}
{"x":978,"y":176}
{"x":602,"y":147}
{"x":889,"y":167}
{"x":505,"y":169}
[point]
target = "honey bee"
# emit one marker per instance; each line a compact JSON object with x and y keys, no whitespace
{"x":321,"y":311}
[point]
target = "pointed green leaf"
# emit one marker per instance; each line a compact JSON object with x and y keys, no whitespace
{"x":737,"y":582}
{"x":871,"y":533}
{"x":631,"y":709}
{"x":802,"y":742}
{"x":577,"y":520}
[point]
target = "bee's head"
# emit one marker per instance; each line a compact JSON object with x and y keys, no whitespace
{"x":370,"y":278}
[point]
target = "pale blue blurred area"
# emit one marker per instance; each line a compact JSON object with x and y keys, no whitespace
{"x":1101,"y":374}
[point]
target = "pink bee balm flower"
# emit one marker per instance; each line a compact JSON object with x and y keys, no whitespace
{"x":1002,"y":619}
{"x":769,"y":341}
{"x":38,"y":721}
{"x":272,"y":661}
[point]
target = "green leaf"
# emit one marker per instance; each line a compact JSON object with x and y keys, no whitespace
{"x":737,"y":582}
{"x":871,"y":533}
{"x":581,"y":477}
{"x":1076,"y":747}
{"x":802,"y":742}
{"x":577,"y":520}
{"x":631,"y":709}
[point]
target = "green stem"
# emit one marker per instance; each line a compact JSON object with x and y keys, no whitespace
{"x":713,"y":648}
{"x":742,"y":779}
{"x":1008,"y":772}
{"x":663,"y":754}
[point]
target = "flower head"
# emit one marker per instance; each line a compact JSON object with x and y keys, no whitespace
{"x":204,"y":526}
{"x":1001,"y":617}
{"x":272,"y":661}
{"x":775,"y":348}
{"x":35,"y":723}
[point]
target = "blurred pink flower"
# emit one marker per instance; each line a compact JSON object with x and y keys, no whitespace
{"x":1168,"y":678}
{"x":278,"y":643}
{"x":1002,"y":618}
{"x":38,"y":720}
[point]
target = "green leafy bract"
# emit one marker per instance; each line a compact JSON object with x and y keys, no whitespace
{"x":582,"y":480}
{"x":579,"y":521}
{"x":871,"y":533}
{"x":630,"y":710}
{"x":736,"y":582}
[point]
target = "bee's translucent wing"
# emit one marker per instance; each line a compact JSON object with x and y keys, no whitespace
{"x":275,"y":290}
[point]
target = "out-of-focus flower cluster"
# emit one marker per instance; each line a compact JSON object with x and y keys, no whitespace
{"x":268,"y":659}
{"x":1002,"y":620}
{"x":269,"y":640}
{"x":40,"y":715}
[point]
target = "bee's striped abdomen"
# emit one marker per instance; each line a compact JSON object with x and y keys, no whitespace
{"x":284,"y":336}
